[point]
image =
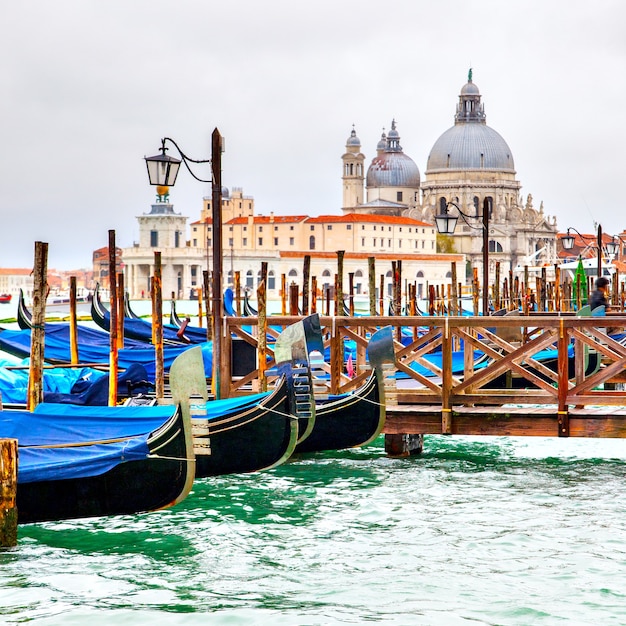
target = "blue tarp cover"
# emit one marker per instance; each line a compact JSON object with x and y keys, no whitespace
{"x":91,"y":349}
{"x":80,"y":433}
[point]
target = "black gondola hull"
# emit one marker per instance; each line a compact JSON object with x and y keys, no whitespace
{"x":259,"y":438}
{"x":129,"y":488}
{"x":352,"y":421}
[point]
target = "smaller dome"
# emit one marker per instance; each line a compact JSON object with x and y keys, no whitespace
{"x":382,"y":144}
{"x":353,"y":140}
{"x":470,"y":89}
{"x":393,"y":169}
{"x":225,"y":192}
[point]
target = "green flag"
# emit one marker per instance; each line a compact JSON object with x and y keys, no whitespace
{"x":580,"y":278}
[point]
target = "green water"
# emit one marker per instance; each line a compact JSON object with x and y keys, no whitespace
{"x":476,"y":531}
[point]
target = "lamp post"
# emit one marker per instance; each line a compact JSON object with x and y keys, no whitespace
{"x":568,"y":244}
{"x":162,"y":170}
{"x":446,"y":224}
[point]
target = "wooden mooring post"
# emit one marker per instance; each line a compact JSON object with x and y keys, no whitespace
{"x":8,"y":493}
{"x":37,"y":338}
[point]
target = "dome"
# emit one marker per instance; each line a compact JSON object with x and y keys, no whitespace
{"x":470,"y":143}
{"x":382,"y":144}
{"x":470,"y":146}
{"x":470,"y":89}
{"x":353,"y":140}
{"x":391,"y":167}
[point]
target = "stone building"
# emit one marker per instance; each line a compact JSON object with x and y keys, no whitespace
{"x":469,"y":162}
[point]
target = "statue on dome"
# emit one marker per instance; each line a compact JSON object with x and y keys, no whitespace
{"x":469,"y":75}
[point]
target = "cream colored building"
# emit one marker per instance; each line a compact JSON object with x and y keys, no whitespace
{"x":282,"y":241}
{"x":14,"y":279}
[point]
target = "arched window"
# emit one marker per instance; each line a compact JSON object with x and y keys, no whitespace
{"x":293,"y":273}
{"x":249,"y":279}
{"x":358,"y":274}
{"x":495,"y":246}
{"x":449,"y":275}
{"x":312,"y":242}
{"x":326,"y":273}
{"x":271,"y":280}
{"x":419,"y":274}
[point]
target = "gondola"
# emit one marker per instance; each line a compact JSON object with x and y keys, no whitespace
{"x":135,"y":327}
{"x":255,"y":432}
{"x":357,"y":418}
{"x":77,"y":461}
{"x":248,"y":309}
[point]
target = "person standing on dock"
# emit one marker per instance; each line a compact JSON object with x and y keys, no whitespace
{"x":598,"y":295}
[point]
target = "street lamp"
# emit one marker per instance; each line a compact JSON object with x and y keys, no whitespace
{"x":568,"y":244}
{"x":446,"y":224}
{"x":162,"y":170}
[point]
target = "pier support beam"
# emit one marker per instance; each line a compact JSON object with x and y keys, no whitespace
{"x":404,"y":445}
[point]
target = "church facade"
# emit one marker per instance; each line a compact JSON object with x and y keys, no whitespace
{"x":468,"y":163}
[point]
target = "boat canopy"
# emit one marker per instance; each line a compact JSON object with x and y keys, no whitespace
{"x":65,"y":441}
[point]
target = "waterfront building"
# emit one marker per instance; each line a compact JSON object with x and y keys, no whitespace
{"x":12,"y":279}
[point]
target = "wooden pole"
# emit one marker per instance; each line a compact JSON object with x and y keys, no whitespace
{"x":8,"y":493}
{"x":339,"y":293}
{"x":216,"y":295}
{"x":207,"y":304}
{"x":351,"y":292}
{"x":475,"y":291}
{"x":200,"y":315}
{"x":283,"y":294}
{"x":73,"y":324}
{"x":454,"y":294}
{"x":371,"y":283}
{"x":237,"y":284}
{"x":496,"y":288}
{"x":113,"y":327}
{"x":158,"y":325}
{"x":262,"y":339}
{"x":293,"y":299}
{"x":121,"y":300}
{"x":381,"y":295}
{"x":313,"y":294}
{"x":38,"y":333}
{"x":306,"y":272}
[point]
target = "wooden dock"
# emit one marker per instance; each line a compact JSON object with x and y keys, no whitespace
{"x":509,"y":390}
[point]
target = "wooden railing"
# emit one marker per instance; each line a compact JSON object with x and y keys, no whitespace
{"x":450,"y":361}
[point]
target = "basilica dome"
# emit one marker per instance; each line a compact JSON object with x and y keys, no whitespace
{"x":391,"y":167}
{"x":470,"y":143}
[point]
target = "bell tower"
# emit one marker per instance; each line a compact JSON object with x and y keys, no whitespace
{"x":353,"y":173}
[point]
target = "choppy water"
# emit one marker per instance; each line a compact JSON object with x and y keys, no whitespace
{"x":476,"y":531}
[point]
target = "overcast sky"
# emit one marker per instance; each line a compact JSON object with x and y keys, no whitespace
{"x":90,"y":87}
